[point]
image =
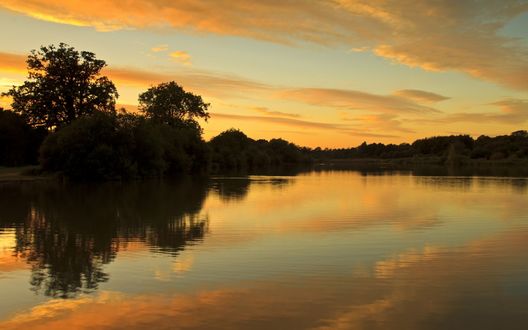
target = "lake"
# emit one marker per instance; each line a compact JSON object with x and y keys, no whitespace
{"x":317,"y":250}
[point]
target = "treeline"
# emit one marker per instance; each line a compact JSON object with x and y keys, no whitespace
{"x":232,"y":150}
{"x":64,"y":118}
{"x":439,"y":149}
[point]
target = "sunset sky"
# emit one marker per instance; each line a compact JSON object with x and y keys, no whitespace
{"x":329,"y":73}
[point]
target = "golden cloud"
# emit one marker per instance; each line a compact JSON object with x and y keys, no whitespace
{"x":181,"y":57}
{"x":268,"y":112}
{"x":420,"y":96}
{"x":442,"y":35}
{"x":207,"y":83}
{"x":512,"y":111}
{"x":354,"y":100}
{"x":282,"y":121}
{"x":13,"y":63}
{"x":160,"y":48}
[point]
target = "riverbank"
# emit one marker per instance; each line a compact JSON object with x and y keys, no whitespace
{"x":430,"y":166}
{"x":22,"y":174}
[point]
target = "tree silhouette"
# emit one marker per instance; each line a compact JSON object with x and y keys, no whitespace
{"x":63,"y":84}
{"x":169,"y":103}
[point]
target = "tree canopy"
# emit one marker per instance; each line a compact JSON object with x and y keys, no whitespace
{"x":169,"y":103}
{"x":63,"y":84}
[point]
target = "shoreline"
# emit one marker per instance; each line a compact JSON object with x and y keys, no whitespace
{"x":486,"y":167}
{"x":22,"y":174}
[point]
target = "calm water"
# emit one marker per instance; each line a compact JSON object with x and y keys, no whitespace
{"x":326,"y":250}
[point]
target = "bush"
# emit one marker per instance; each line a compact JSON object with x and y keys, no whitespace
{"x":233,"y":150}
{"x":19,"y":142}
{"x":104,"y":146}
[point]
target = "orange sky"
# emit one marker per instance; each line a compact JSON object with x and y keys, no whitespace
{"x":318,"y":73}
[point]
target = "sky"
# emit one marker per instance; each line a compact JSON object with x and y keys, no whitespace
{"x":328,"y":73}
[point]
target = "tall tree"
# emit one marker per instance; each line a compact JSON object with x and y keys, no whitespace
{"x":63,"y":84}
{"x":169,"y":103}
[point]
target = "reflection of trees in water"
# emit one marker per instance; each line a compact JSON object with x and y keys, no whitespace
{"x":67,"y":233}
{"x":520,"y":185}
{"x":237,"y":188}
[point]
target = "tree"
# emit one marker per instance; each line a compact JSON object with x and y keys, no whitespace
{"x":19,"y":142}
{"x":63,"y":84}
{"x":169,"y":103}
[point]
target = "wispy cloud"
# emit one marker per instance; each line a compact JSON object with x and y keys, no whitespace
{"x":439,"y":36}
{"x":511,"y":111}
{"x":14,"y":63}
{"x":181,"y":56}
{"x":347,"y":129}
{"x":267,"y":111}
{"x":283,"y":121}
{"x":160,"y":48}
{"x":354,"y":100}
{"x":222,"y":85}
{"x":420,"y":96}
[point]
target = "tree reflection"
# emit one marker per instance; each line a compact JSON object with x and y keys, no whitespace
{"x":231,"y":188}
{"x":68,"y":232}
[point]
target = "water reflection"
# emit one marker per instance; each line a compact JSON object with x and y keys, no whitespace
{"x":321,"y":250}
{"x":68,"y":232}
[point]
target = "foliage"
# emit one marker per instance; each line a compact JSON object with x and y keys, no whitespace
{"x":454,"y":149}
{"x":168,"y":103}
{"x":233,"y":150}
{"x":63,"y":84}
{"x":19,"y":142}
{"x":104,"y":146}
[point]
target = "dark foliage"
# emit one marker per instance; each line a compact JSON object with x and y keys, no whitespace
{"x":170,"y":104}
{"x":19,"y":142}
{"x":63,"y":84}
{"x":233,"y":150}
{"x":452,"y":149}
{"x":104,"y":146}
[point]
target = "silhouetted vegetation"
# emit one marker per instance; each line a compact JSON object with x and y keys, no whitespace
{"x":63,"y":84}
{"x":66,"y":96}
{"x":454,"y":149}
{"x":233,"y":150}
{"x":104,"y":146}
{"x":19,"y":142}
{"x":168,"y":103}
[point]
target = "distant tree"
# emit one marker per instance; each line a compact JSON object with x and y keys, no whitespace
{"x":63,"y":84}
{"x":169,"y":103}
{"x":521,"y":133}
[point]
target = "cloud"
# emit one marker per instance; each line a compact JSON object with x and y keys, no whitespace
{"x":303,"y":124}
{"x":15,"y":63}
{"x":282,"y":121}
{"x":443,"y":35}
{"x":160,"y":48}
{"x":382,"y":122}
{"x":354,"y":100}
{"x":223,"y":85}
{"x":420,"y":96}
{"x":181,"y":57}
{"x":202,"y":82}
{"x":5,"y":101}
{"x":511,"y":111}
{"x":266,"y":111}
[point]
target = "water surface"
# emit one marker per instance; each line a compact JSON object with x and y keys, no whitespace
{"x":320,"y":250}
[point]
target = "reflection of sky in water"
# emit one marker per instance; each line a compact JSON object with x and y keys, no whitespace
{"x":360,"y":245}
